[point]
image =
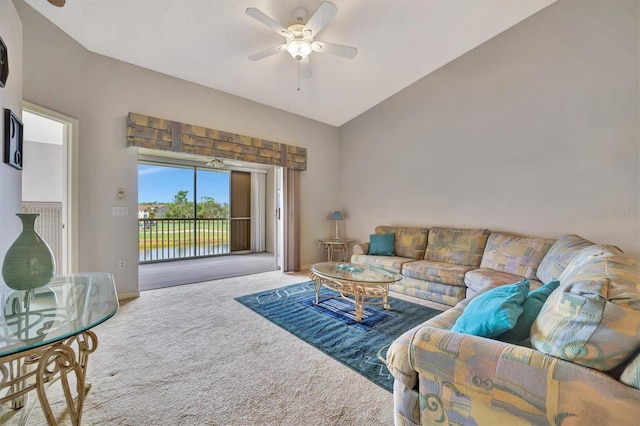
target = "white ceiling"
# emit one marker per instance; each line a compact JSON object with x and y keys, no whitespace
{"x":208,"y":42}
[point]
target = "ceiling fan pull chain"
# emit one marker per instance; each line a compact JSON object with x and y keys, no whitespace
{"x":298,"y":61}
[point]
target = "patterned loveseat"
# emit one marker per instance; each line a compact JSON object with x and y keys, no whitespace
{"x":580,"y":365}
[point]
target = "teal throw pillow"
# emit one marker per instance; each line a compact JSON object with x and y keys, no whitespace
{"x":530,"y":310}
{"x":382,"y":244}
{"x":492,"y":313}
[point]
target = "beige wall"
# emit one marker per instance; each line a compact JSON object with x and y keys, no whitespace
{"x":61,"y":75}
{"x":535,"y":132}
{"x":11,"y":98}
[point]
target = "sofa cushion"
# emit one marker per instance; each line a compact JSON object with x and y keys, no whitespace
{"x":390,"y":263}
{"x":560,"y":255}
{"x":594,"y":317}
{"x":437,"y":272}
{"x":457,"y":246}
{"x":530,"y":310}
{"x":514,"y":255}
{"x":586,"y":257}
{"x":436,"y":292}
{"x":409,"y":242}
{"x":631,"y":374}
{"x":481,"y":278}
{"x":492,"y":313}
{"x":381,"y":244}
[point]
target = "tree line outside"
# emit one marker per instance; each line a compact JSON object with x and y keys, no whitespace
{"x":184,"y":232}
{"x":182,"y":208}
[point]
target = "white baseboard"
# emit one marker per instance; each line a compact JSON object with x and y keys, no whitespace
{"x":131,"y":295}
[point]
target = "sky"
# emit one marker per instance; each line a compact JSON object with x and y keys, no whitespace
{"x":160,"y":183}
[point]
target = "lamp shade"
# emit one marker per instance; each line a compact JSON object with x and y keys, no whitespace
{"x":336,"y":215}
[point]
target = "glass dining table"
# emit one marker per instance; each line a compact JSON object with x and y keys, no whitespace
{"x":45,"y":336}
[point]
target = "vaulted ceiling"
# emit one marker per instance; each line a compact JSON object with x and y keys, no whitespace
{"x":208,"y":42}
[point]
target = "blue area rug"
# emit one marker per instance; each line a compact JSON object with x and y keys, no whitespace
{"x":331,"y":326}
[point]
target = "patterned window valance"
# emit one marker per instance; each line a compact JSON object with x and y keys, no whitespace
{"x":156,"y":133}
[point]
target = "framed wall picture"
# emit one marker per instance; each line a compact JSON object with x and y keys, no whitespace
{"x":4,"y":63}
{"x":12,"y":139}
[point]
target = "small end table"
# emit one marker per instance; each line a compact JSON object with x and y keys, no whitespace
{"x":335,"y":246}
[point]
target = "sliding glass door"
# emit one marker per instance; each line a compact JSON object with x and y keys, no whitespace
{"x":183,"y":212}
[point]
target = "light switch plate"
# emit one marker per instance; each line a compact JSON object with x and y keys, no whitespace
{"x":120,"y":211}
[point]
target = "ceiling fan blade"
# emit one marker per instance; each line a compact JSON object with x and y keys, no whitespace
{"x":319,"y":19}
{"x":266,"y":20}
{"x":268,"y":52}
{"x":305,"y":68}
{"x":58,"y":3}
{"x":334,"y":49}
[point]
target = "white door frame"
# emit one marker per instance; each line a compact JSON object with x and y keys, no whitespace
{"x":70,"y":139}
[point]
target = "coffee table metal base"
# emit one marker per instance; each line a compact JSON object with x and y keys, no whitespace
{"x":356,"y":292}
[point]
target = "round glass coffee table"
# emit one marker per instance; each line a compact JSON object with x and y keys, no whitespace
{"x":360,"y":284}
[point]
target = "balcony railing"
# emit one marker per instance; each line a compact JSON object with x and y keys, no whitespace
{"x":172,"y":239}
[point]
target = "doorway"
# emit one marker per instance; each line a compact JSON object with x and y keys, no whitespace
{"x":49,"y":186}
{"x":243,"y":229}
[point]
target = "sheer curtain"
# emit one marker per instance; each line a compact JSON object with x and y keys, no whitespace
{"x":258,"y":212}
{"x":291,"y":219}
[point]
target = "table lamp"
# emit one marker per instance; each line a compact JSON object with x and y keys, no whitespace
{"x":336,"y":216}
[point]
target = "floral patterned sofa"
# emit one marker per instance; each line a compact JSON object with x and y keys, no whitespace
{"x":579,"y":366}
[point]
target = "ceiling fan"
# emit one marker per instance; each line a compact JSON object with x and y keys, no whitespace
{"x":220,"y":163}
{"x":58,"y":3}
{"x":299,"y":38}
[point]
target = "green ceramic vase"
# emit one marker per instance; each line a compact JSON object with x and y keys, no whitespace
{"x":29,"y":262}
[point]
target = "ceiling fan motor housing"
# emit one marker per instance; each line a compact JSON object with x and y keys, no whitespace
{"x":299,"y":14}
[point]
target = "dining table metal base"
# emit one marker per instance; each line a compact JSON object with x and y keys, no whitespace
{"x":38,"y":368}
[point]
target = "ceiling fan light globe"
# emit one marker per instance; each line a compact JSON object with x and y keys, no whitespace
{"x":299,"y":49}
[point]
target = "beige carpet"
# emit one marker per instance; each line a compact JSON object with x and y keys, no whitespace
{"x":191,"y":355}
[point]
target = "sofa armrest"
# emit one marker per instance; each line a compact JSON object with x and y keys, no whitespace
{"x":397,"y":360}
{"x":500,"y":381}
{"x":361,"y":248}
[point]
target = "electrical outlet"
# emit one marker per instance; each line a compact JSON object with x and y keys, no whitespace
{"x":122,"y":264}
